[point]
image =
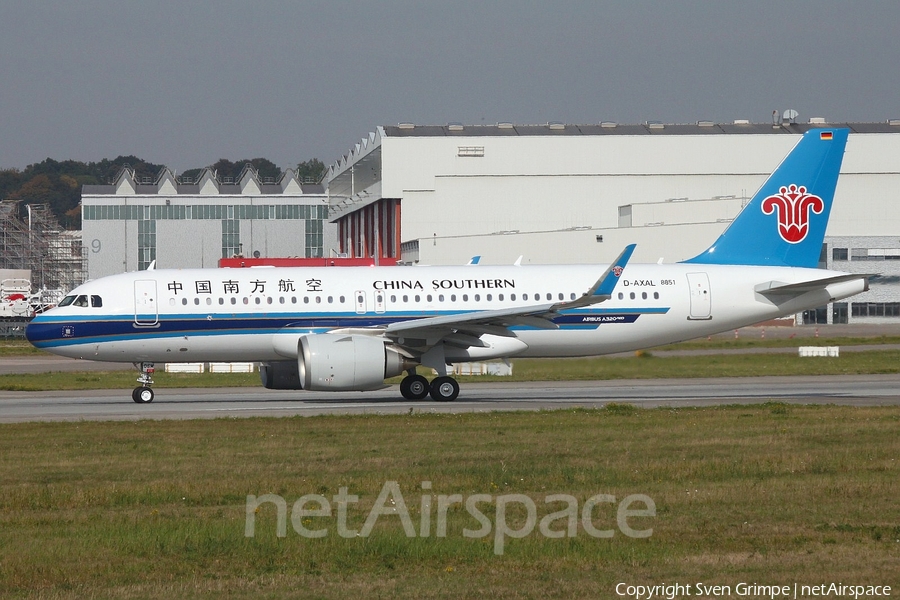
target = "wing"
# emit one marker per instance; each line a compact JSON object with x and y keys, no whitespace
{"x":465,"y":329}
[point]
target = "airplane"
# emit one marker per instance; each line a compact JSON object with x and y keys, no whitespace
{"x":351,"y":328}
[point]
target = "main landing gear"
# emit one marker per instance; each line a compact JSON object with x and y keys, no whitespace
{"x":416,"y":387}
{"x":143,"y":393}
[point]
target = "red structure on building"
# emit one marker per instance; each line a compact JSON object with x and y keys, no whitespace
{"x":237,"y":263}
{"x":372,"y":231}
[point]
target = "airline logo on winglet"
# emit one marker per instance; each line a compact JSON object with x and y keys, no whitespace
{"x":793,"y":206}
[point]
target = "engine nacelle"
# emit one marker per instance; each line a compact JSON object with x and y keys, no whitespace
{"x":282,"y":375}
{"x":333,"y":362}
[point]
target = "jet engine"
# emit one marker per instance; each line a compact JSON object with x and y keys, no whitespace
{"x":333,"y":362}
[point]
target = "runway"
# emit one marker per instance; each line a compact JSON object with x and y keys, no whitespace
{"x":857,"y":390}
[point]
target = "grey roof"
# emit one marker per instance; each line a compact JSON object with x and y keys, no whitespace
{"x":650,"y":128}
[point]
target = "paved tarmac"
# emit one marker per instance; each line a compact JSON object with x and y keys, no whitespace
{"x":475,"y":397}
{"x":854,"y":390}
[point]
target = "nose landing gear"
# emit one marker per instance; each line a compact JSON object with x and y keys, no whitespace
{"x":143,"y":394}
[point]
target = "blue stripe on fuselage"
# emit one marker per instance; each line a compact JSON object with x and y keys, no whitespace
{"x":47,"y":331}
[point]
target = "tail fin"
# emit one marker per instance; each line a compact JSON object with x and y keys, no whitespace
{"x":784,"y":223}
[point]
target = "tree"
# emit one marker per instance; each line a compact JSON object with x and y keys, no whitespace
{"x":264,"y":167}
{"x":313,"y":169}
{"x":10,"y":180}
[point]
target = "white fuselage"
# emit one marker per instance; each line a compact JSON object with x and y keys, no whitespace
{"x":257,"y":314}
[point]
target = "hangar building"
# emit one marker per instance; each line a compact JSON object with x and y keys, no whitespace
{"x":561,"y":193}
{"x":186,"y":224}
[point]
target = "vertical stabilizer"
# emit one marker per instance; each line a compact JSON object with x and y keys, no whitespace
{"x":784,"y":223}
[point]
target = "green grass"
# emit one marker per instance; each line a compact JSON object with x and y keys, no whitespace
{"x":156,"y":509}
{"x":755,"y":340}
{"x":101,"y":380}
{"x":9,"y":347}
{"x":643,"y":366}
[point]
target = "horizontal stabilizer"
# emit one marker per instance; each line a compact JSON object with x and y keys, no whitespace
{"x":777,"y":288}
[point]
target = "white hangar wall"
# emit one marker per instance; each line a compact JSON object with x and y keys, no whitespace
{"x":578,"y":194}
{"x":538,"y":184}
{"x":532,"y":186}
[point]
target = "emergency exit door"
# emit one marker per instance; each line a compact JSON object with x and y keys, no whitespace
{"x":701,"y":302}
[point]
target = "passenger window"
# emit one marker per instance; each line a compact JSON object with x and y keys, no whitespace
{"x":330,"y":299}
{"x":477,"y":297}
{"x":428,"y":297}
{"x":656,"y":295}
{"x":96,"y":301}
{"x":644,"y":295}
{"x":524,"y":296}
{"x":418,"y":298}
{"x":209,"y":301}
{"x":196,"y":301}
{"x":184,"y":301}
{"x":550,"y":296}
{"x":561,"y":296}
{"x":257,"y":300}
{"x":621,"y":296}
{"x":500,"y":297}
{"x":171,"y":301}
{"x":512,"y":297}
{"x":393,"y":297}
{"x":246,"y":300}
{"x":465,"y":297}
{"x":341,"y":299}
{"x":318,"y":299}
{"x":631,"y":295}
{"x":572,"y":296}
{"x":305,"y":299}
{"x":221,"y":301}
{"x":405,"y":298}
{"x":440,"y":297}
{"x":489,"y":297}
{"x":233,"y":300}
{"x":452,"y":297}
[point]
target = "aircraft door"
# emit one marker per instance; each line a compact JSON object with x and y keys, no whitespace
{"x":360,"y":297}
{"x":379,"y":302}
{"x":701,"y":302}
{"x":146,"y":310}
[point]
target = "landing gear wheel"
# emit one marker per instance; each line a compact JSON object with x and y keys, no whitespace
{"x":444,"y":389}
{"x":142,"y":395}
{"x":414,"y":387}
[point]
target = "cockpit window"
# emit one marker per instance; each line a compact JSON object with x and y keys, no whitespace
{"x":80,"y":301}
{"x":66,"y":301}
{"x":96,"y":301}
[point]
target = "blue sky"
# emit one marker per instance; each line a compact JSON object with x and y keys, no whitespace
{"x":186,"y":83}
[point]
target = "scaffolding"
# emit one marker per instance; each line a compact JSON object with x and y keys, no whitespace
{"x":31,"y":238}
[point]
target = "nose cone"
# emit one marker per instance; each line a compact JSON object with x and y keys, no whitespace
{"x":38,"y":332}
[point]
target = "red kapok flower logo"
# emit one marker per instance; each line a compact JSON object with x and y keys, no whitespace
{"x":793,"y":205}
